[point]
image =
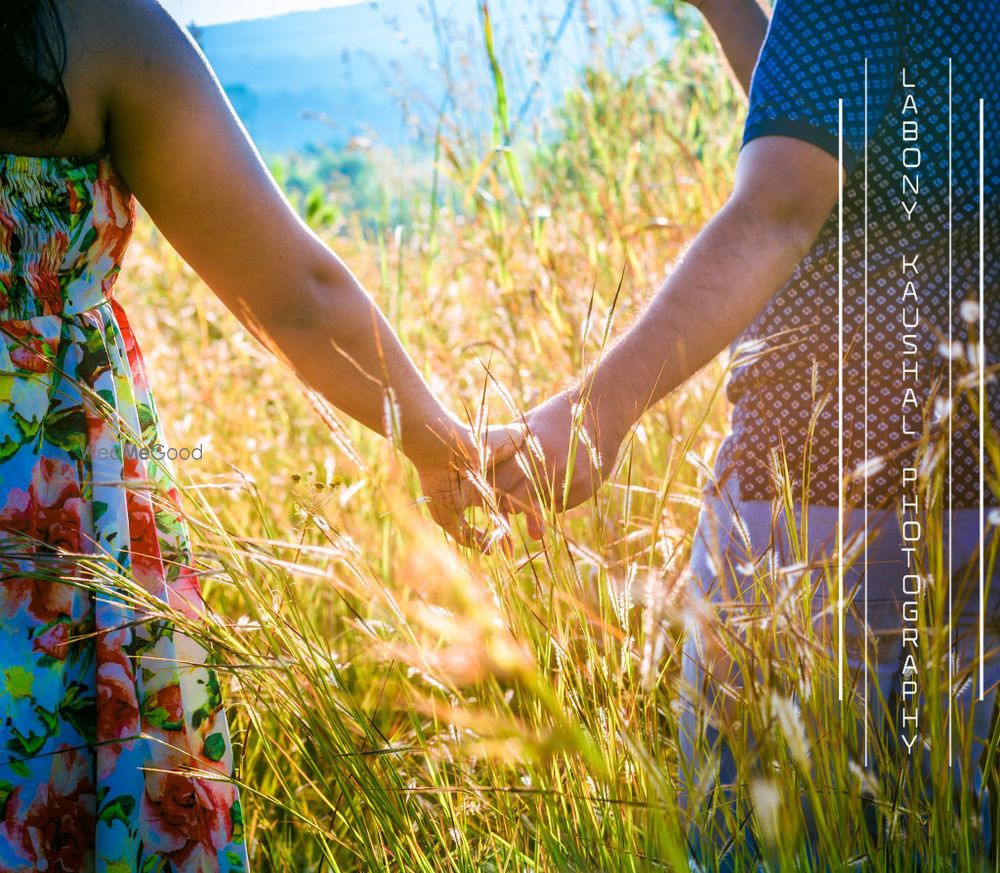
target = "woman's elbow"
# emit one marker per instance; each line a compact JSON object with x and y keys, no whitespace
{"x":312,"y":298}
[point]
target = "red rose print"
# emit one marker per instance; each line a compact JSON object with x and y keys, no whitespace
{"x":57,"y":827}
{"x":188,"y":816}
{"x":74,"y":198}
{"x":46,"y":601}
{"x":27,"y":348}
{"x":51,"y":510}
{"x":146,"y":563}
{"x":46,"y":282}
{"x":114,"y":210}
{"x":99,"y":429}
{"x":135,"y":362}
{"x":185,"y":594}
{"x":117,"y":704}
{"x":54,"y":642}
{"x":110,"y":645}
{"x":170,"y":701}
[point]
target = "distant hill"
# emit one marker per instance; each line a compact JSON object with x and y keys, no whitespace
{"x":377,"y":69}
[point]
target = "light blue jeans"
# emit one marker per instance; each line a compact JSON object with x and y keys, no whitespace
{"x":725,"y":551}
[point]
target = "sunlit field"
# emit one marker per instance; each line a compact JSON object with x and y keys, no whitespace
{"x":399,"y":703}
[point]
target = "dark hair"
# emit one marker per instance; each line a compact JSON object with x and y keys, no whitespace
{"x":32,"y":62}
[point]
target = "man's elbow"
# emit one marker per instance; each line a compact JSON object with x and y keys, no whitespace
{"x":787,"y":221}
{"x":787,"y":189}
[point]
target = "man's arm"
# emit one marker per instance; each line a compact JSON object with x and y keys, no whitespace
{"x":740,"y":26}
{"x":785,"y":191}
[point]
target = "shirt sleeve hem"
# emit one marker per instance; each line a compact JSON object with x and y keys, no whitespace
{"x":805,"y":131}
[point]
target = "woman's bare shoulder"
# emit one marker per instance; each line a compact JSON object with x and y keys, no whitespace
{"x":116,"y":49}
{"x":108,"y":38}
{"x":112,"y":47}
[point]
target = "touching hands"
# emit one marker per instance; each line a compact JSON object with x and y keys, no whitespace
{"x":455,"y":478}
{"x":568,"y":451}
{"x":556,"y":458}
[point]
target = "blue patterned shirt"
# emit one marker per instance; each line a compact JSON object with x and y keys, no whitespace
{"x":784,"y":384}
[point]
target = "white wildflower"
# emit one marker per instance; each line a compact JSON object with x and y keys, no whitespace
{"x":626,"y":653}
{"x":969,"y":310}
{"x":975,"y":355}
{"x":507,"y":398}
{"x":535,"y":447}
{"x":767,"y":808}
{"x":790,"y":720}
{"x":592,"y":450}
{"x":390,"y":416}
{"x":952,"y":352}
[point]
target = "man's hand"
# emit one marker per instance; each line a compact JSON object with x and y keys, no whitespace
{"x":568,"y":451}
{"x":460,"y":476}
{"x":785,"y":191}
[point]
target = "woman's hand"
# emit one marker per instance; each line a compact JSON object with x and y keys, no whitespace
{"x":458,"y":474}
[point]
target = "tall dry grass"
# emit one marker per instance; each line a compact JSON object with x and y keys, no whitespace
{"x":402,"y":705}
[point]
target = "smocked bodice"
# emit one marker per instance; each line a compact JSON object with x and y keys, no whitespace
{"x":64,"y":226}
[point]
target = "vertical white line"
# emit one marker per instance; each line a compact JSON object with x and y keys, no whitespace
{"x":865,"y":484}
{"x":951,"y":392}
{"x":840,"y":401}
{"x":982,"y":421}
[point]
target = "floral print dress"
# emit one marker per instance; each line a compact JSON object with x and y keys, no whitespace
{"x":114,"y":748}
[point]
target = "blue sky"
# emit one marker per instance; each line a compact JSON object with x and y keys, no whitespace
{"x":216,"y":11}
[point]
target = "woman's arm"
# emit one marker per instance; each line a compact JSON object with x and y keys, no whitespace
{"x":740,"y":26}
{"x":181,"y":149}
